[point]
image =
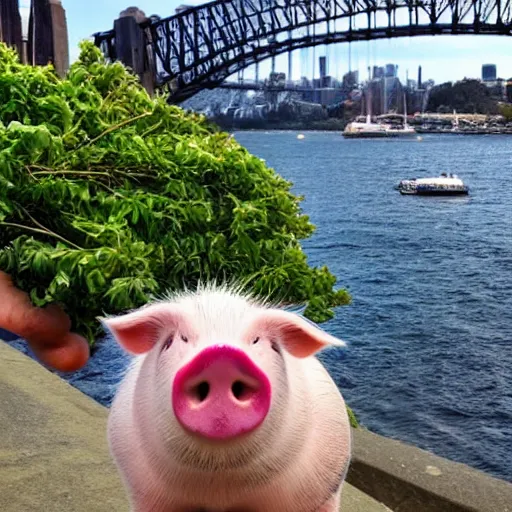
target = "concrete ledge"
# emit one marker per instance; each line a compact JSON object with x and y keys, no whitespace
{"x":406,"y":478}
{"x":53,"y":446}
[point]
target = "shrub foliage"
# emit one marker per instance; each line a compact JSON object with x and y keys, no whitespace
{"x":109,"y":197}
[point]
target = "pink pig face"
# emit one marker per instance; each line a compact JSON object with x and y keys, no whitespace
{"x":215,"y":369}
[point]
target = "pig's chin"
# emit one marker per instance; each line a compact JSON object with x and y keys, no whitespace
{"x":203,"y":454}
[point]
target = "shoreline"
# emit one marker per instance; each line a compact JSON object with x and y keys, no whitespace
{"x":420,"y":132}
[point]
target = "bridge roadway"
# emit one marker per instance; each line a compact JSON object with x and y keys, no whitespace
{"x":261,"y":86}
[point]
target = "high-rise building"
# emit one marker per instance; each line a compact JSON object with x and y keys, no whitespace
{"x":351,"y":79}
{"x":391,"y":70}
{"x":378,"y":72}
{"x":323,"y":66}
{"x":419,"y":78}
{"x":411,"y":84}
{"x":489,"y":72}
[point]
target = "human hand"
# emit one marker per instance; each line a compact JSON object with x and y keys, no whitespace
{"x":46,"y":330}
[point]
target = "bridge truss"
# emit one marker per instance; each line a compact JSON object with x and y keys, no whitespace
{"x":200,"y":47}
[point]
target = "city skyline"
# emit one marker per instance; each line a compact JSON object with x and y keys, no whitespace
{"x":443,"y":58}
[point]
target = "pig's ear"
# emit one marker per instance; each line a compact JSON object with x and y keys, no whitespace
{"x":297,"y":335}
{"x":138,"y":332}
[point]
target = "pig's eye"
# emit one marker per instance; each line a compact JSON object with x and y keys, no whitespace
{"x":184,"y":338}
{"x":275,"y":347}
{"x":168,"y":342}
{"x":255,"y":341}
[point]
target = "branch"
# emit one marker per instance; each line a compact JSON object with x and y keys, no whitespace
{"x":114,"y":128}
{"x":78,"y":173}
{"x":49,"y":172}
{"x":41,"y":229}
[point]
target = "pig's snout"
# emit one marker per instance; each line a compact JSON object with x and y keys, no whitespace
{"x":221,"y":394}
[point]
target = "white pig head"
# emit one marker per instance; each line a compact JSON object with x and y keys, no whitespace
{"x":218,"y":373}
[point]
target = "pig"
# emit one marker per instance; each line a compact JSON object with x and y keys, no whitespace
{"x":226,"y":409}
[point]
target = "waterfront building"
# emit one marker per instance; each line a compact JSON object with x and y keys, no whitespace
{"x":327,"y":96}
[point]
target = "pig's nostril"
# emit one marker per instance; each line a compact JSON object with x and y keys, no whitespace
{"x":202,"y":391}
{"x":240,"y":390}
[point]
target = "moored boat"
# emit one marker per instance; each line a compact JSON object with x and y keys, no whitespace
{"x":370,"y":130}
{"x":443,"y":185}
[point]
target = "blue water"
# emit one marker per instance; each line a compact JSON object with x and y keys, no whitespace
{"x":429,"y":332}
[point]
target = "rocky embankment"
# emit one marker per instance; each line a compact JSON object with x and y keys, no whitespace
{"x":232,"y":109}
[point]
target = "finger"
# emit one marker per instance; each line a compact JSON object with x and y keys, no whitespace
{"x":68,"y":354}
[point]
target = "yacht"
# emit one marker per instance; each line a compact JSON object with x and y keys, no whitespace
{"x":365,"y":130}
{"x":370,"y":130}
{"x":443,"y":185}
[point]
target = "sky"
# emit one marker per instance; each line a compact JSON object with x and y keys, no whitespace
{"x":443,"y":58}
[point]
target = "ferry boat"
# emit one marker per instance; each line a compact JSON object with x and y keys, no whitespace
{"x":443,"y":185}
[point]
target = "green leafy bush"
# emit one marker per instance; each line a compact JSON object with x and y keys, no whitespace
{"x":109,"y":197}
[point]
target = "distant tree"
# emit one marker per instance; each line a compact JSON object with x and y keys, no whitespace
{"x":346,"y":110}
{"x":506,"y":111}
{"x":465,"y":96}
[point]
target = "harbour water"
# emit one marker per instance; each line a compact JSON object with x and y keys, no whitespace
{"x":429,"y":332}
{"x":429,"y":359}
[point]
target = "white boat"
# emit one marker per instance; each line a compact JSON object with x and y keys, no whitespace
{"x":370,"y":130}
{"x":443,"y":185}
{"x":367,"y":129}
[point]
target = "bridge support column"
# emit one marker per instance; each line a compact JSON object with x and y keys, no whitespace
{"x":60,"y":37}
{"x":131,"y":46}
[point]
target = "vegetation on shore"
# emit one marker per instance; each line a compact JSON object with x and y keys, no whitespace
{"x":109,"y":197}
{"x":468,"y":96}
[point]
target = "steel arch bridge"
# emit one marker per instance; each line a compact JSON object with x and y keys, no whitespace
{"x":200,"y":47}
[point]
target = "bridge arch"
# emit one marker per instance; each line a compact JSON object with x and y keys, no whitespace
{"x":200,"y":47}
